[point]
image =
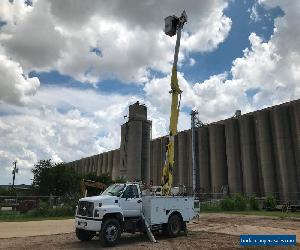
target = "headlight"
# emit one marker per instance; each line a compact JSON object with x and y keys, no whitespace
{"x":96,"y":213}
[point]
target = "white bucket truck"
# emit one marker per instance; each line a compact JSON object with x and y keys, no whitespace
{"x":123,"y":208}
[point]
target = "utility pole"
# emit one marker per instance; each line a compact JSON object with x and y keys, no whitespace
{"x":15,"y":170}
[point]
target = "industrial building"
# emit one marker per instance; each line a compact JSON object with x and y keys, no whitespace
{"x":255,"y":153}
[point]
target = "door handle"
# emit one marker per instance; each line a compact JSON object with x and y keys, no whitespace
{"x":139,"y":201}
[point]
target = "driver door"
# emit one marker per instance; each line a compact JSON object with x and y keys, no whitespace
{"x":131,"y":202}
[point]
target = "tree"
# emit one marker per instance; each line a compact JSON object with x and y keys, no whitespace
{"x":56,"y":179}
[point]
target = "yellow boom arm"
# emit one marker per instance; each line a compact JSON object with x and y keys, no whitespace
{"x":167,"y":175}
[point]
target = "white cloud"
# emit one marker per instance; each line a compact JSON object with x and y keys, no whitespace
{"x":15,"y":86}
{"x":34,"y":41}
{"x":254,"y":15}
{"x":60,"y":128}
{"x":59,"y":35}
{"x":192,"y":62}
{"x":66,"y":124}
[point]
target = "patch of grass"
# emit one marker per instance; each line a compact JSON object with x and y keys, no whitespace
{"x":16,"y":216}
{"x":210,"y":207}
{"x":44,"y":212}
{"x":240,"y":202}
{"x":270,"y":202}
{"x":253,"y":203}
{"x":227,"y":204}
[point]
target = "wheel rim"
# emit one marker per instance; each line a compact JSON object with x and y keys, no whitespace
{"x":175,"y":225}
{"x":111,"y":233}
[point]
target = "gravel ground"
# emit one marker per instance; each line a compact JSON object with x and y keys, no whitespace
{"x":194,"y":240}
{"x":213,"y":231}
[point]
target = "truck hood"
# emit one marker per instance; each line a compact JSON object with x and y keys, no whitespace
{"x":104,"y":199}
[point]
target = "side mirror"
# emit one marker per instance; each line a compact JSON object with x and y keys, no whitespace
{"x":124,"y":195}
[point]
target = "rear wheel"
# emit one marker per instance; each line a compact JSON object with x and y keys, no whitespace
{"x":174,"y":226}
{"x":84,"y":235}
{"x":110,"y":232}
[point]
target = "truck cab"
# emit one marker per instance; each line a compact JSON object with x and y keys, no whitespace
{"x":121,"y":208}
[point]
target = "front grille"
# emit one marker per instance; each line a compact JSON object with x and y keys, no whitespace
{"x":85,"y":208}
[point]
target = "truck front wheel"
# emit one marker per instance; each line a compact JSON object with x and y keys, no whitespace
{"x":84,"y":235}
{"x":174,"y":226}
{"x":110,"y":232}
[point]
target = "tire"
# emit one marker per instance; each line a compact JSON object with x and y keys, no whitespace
{"x":110,"y":232}
{"x":84,"y":235}
{"x":174,"y":226}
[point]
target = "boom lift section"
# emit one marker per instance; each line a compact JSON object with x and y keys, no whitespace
{"x":173,"y":24}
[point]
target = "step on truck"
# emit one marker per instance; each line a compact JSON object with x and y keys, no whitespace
{"x":124,"y":207}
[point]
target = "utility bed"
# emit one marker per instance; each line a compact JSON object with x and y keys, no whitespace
{"x":157,"y":209}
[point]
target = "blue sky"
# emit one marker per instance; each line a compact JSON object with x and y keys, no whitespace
{"x":207,"y":63}
{"x":68,"y":75}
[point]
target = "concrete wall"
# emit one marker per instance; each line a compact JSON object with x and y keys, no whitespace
{"x":256,"y":153}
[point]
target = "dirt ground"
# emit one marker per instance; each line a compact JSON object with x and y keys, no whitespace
{"x":33,"y":228}
{"x":213,"y":231}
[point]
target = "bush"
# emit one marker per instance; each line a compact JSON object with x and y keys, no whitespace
{"x":210,"y":206}
{"x":253,"y":203}
{"x":240,"y":202}
{"x":270,"y":202}
{"x":227,"y":204}
{"x":45,"y":211}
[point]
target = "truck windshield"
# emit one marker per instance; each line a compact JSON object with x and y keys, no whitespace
{"x":114,"y":190}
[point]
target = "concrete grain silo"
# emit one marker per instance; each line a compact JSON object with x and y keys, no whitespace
{"x":155,"y":156}
{"x":182,"y":157}
{"x":161,"y":158}
{"x":233,"y":155}
{"x":110,"y":163}
{"x":265,"y":152}
{"x":249,"y":155}
{"x":145,"y":154}
{"x":175,"y":166}
{"x":189,"y":163}
{"x":95,"y":159}
{"x":91,"y":163}
{"x":151,"y":161}
{"x":85,"y":165}
{"x":295,"y":126}
{"x":256,"y":153}
{"x":203,"y":160}
{"x":218,"y":164}
{"x":105,"y":163}
{"x":99,"y":164}
{"x":284,"y":154}
{"x":116,"y":165}
{"x":135,"y":144}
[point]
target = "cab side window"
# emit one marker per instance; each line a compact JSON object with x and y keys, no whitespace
{"x":131,"y":192}
{"x":135,"y":191}
{"x":128,"y":193}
